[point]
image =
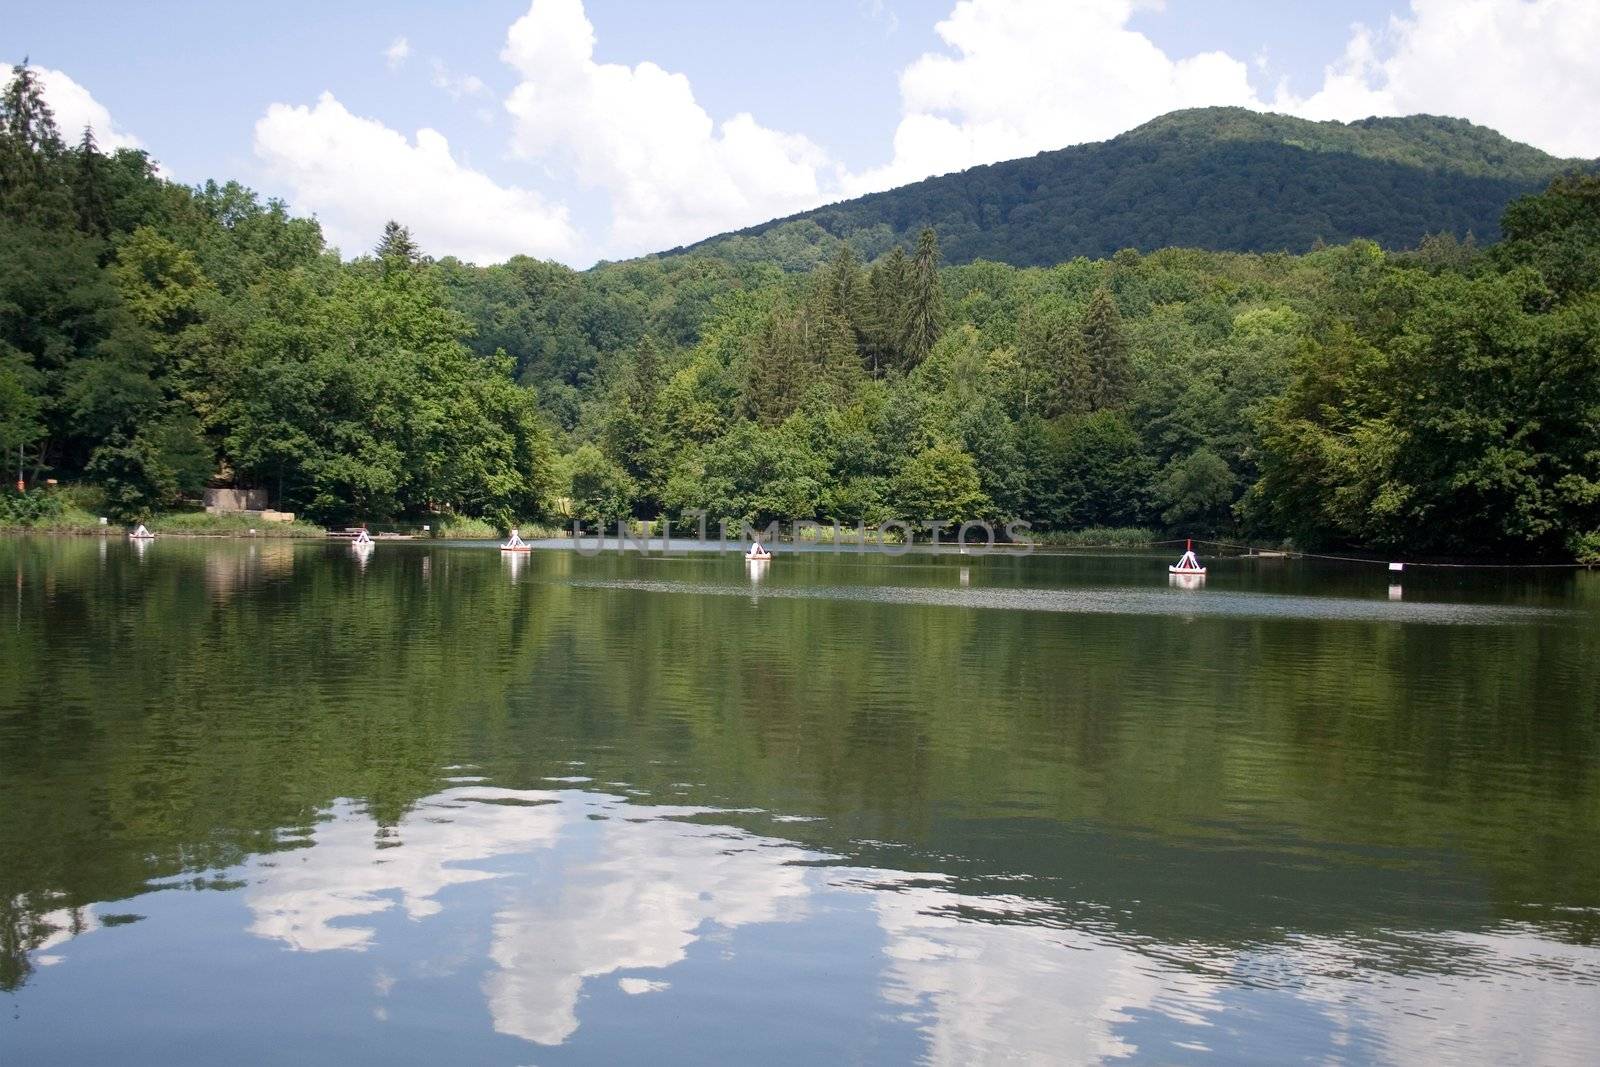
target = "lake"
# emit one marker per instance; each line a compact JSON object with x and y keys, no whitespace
{"x":271,"y":802}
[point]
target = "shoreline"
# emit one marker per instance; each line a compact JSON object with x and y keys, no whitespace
{"x":654,"y":548}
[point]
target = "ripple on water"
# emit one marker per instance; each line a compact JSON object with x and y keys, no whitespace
{"x":1114,"y":601}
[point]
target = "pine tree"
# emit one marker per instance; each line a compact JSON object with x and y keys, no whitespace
{"x":924,"y":308}
{"x":1055,"y":371}
{"x":89,"y":196}
{"x":886,"y":300}
{"x":645,"y":383}
{"x":1106,"y":351}
{"x":30,"y":150}
{"x":397,"y":250}
{"x":842,"y":284}
{"x":25,"y":119}
{"x":828,"y":343}
{"x":775,"y":377}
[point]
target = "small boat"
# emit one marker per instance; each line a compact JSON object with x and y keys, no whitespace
{"x":142,"y":534}
{"x":362,"y":539}
{"x":516,"y":544}
{"x":757,"y":553}
{"x":1187,"y":564}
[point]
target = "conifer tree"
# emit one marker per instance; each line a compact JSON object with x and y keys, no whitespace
{"x":828,"y":343}
{"x":89,"y":196}
{"x":1105,"y":350}
{"x":886,"y":298}
{"x":645,"y":383}
{"x":26,"y":121}
{"x":844,"y":288}
{"x":924,"y":306}
{"x":397,"y":250}
{"x":1055,"y":371}
{"x":775,"y":374}
{"x":30,"y":149}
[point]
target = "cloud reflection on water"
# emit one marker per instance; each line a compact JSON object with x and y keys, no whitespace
{"x":587,"y":886}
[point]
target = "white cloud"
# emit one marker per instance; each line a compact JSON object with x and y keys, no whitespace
{"x":397,"y":53}
{"x":457,"y":85}
{"x":672,"y":173}
{"x":76,"y":108}
{"x":355,"y":173}
{"x":1524,"y":67}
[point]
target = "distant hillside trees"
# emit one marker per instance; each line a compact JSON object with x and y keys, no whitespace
{"x":1218,"y":178}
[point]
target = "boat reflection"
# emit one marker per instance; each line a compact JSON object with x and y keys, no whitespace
{"x":1186,"y":581}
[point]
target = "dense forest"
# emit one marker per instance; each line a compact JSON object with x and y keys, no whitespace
{"x":156,"y":338}
{"x":1220,"y":178}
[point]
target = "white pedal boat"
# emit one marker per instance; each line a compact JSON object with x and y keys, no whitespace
{"x":1188,"y":564}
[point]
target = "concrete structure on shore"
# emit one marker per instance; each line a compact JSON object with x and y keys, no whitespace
{"x":251,"y":502}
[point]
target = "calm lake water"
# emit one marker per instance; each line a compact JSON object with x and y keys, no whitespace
{"x":266,"y":802}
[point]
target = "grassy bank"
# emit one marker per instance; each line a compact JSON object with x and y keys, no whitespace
{"x":1098,"y":537}
{"x":48,"y":511}
{"x":201,"y":524}
{"x":68,"y":520}
{"x":466,"y":528}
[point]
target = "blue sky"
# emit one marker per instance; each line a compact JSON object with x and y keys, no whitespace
{"x":577,"y":129}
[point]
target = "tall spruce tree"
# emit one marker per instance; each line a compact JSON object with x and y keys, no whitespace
{"x":30,"y":153}
{"x":843,"y":286}
{"x":887,"y":292}
{"x":828,"y":342}
{"x":924,"y":307}
{"x":1105,"y":349}
{"x":1055,"y":371}
{"x":90,"y":199}
{"x":775,"y":374}
{"x":397,"y":250}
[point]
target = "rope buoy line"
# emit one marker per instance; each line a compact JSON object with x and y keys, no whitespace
{"x":1376,"y":562}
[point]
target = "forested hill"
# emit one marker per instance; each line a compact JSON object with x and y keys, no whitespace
{"x":1226,"y":179}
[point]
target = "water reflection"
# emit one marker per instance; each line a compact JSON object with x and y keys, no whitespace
{"x":1120,"y":601}
{"x":615,"y":811}
{"x":555,"y":893}
{"x":641,"y":892}
{"x":515,"y":562}
{"x":307,"y":898}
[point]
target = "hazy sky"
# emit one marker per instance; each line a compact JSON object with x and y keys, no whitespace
{"x":580,"y":129}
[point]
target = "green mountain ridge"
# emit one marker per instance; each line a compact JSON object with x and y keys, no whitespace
{"x":1226,"y":179}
